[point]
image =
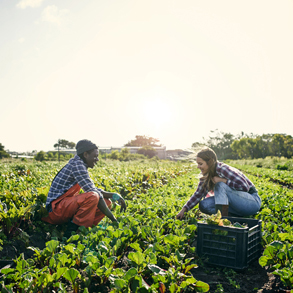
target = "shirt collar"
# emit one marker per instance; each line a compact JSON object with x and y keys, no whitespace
{"x":77,"y":157}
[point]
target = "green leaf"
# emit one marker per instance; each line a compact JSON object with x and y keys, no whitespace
{"x":137,"y":257}
{"x":189,"y":267}
{"x":181,"y":256}
{"x":201,"y":287}
{"x":62,"y":257}
{"x":159,"y":247}
{"x":75,"y":237}
{"x":135,"y":246}
{"x":70,"y":248}
{"x":110,"y":261}
{"x":5,"y":289}
{"x":277,"y":244}
{"x":157,"y":270}
{"x":136,"y":283}
{"x":71,"y":274}
{"x":36,"y":250}
{"x":188,"y":282}
{"x":7,"y":271}
{"x":52,"y":263}
{"x":45,"y":279}
{"x":91,"y":259}
{"x":173,"y":288}
{"x":52,"y":245}
{"x":263,"y":261}
{"x":60,"y":286}
{"x":172,"y":239}
{"x":21,"y":266}
{"x":120,"y":284}
{"x":130,"y":273}
{"x":60,"y":272}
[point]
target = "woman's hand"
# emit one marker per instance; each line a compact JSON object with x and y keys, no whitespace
{"x":218,"y":179}
{"x":181,"y":214}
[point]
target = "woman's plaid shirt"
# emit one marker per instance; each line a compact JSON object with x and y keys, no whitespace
{"x":236,"y":180}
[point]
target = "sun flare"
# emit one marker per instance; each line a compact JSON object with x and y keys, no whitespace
{"x":156,"y":112}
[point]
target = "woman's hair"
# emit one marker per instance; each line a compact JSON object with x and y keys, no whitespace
{"x":210,"y":157}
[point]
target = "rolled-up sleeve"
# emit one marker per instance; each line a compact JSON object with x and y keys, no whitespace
{"x":196,"y":197}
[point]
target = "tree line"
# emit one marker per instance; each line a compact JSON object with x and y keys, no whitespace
{"x":146,"y":150}
{"x":226,"y":146}
{"x":248,"y":146}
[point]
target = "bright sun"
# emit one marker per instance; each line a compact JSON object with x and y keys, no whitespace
{"x":156,"y":112}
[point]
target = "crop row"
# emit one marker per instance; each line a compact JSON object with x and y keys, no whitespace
{"x":23,"y":189}
{"x":148,"y":251}
{"x":279,"y":176}
{"x":277,"y":221}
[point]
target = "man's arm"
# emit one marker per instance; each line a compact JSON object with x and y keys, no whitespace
{"x":105,"y":210}
{"x":107,"y":194}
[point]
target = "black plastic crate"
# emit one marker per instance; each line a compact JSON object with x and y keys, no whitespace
{"x":230,"y":246}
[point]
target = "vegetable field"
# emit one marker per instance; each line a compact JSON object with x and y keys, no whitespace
{"x":149,"y":251}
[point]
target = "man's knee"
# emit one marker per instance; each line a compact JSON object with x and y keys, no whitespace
{"x":93,"y":198}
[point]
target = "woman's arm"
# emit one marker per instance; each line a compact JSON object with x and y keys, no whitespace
{"x":193,"y":201}
{"x":218,"y":179}
{"x":181,"y":213}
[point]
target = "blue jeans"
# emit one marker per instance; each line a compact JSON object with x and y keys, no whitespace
{"x":240,"y":203}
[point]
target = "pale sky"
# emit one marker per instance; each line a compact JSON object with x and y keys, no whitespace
{"x":174,"y":70}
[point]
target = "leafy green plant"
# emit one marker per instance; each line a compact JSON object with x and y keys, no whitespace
{"x":278,"y":256}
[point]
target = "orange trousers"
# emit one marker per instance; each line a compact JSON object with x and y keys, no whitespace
{"x":82,"y":208}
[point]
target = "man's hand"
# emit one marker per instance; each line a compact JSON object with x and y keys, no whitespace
{"x":115,"y":223}
{"x":122,"y":204}
{"x":117,"y":197}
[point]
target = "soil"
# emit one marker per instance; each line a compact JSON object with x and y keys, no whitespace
{"x":252,"y":279}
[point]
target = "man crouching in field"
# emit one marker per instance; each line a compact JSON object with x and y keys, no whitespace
{"x":65,"y":204}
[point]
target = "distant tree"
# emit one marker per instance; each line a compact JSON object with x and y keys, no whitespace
{"x":282,"y":145}
{"x":114,"y":155}
{"x":124,"y":155}
{"x":142,"y":140}
{"x":3,"y":153}
{"x":64,"y":144}
{"x":220,"y":142}
{"x":147,"y":151}
{"x":198,"y":145}
{"x":50,"y":156}
{"x":41,"y":156}
{"x":288,"y":145}
{"x":263,"y":146}
{"x":242,"y":148}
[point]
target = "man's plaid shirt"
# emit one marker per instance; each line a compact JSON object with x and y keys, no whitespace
{"x":236,"y":180}
{"x":75,"y":171}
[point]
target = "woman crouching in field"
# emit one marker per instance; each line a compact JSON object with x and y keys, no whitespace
{"x":234,"y":193}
